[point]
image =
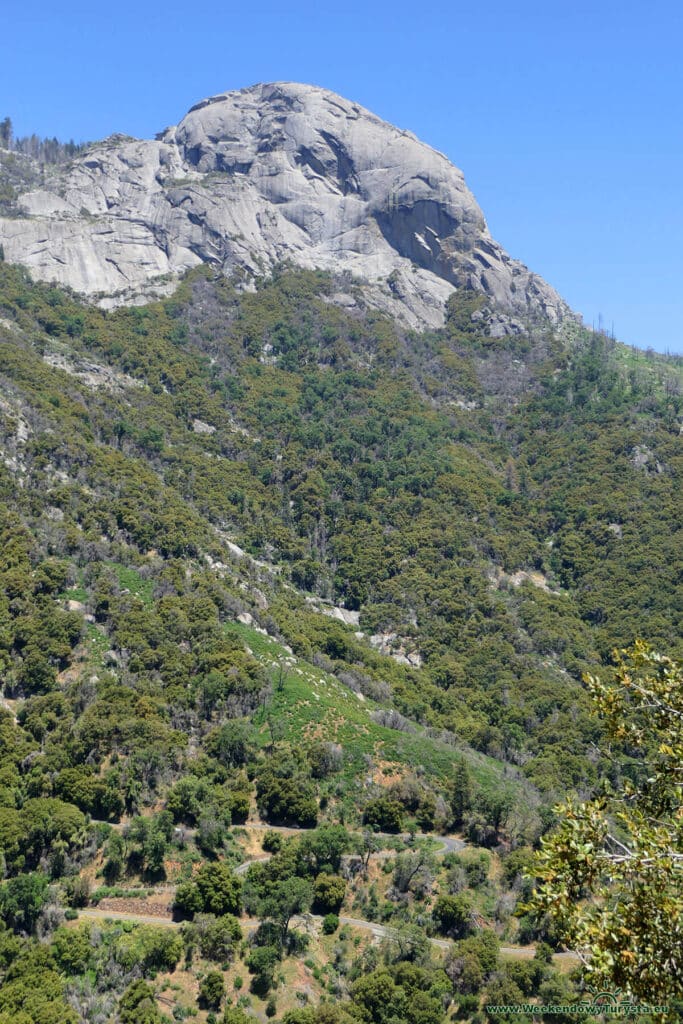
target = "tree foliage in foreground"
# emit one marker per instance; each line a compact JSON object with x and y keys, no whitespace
{"x":612,"y":874}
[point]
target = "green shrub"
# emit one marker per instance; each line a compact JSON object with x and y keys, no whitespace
{"x":330,"y":924}
{"x":211,"y":991}
{"x":272,"y":841}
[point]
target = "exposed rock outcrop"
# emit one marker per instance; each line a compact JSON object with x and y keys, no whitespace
{"x":271,"y":173}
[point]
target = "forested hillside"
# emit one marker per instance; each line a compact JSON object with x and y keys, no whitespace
{"x":268,"y":558}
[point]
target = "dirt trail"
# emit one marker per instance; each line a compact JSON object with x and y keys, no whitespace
{"x":449,"y":844}
{"x":96,"y":914}
{"x":379,"y":931}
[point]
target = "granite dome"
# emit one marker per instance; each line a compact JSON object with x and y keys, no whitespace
{"x":274,"y":172}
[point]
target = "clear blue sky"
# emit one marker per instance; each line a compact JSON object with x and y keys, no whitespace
{"x":564,"y":116}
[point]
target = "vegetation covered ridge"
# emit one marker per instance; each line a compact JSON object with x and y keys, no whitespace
{"x":267,"y":557}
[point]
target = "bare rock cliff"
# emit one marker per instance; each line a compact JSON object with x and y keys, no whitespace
{"x":271,"y":173}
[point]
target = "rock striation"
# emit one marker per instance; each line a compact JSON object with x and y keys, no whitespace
{"x":280,"y":172}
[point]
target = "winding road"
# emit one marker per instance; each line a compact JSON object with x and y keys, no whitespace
{"x":449,"y":844}
{"x":379,"y":931}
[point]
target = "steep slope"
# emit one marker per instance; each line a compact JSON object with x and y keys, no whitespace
{"x":272,"y":173}
{"x":366,"y":467}
{"x":189,"y":491}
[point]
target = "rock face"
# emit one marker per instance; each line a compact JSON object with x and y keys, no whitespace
{"x":271,"y":173}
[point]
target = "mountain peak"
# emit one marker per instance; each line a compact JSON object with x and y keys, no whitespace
{"x":274,"y":172}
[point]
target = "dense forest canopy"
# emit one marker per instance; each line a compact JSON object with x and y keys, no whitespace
{"x":268,"y":558}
